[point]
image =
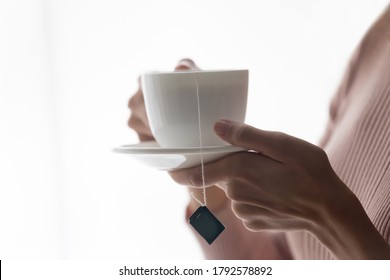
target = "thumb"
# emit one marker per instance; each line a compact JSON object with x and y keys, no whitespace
{"x":275,"y":145}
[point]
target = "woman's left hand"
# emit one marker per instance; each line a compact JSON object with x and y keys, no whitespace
{"x":281,"y":183}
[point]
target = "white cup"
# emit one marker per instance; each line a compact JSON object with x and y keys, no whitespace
{"x":171,"y":101}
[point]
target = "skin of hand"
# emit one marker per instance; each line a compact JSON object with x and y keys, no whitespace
{"x":283,"y":183}
{"x":138,"y":121}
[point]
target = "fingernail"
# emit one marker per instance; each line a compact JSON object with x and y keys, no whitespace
{"x":186,"y":64}
{"x":222,"y":127}
{"x":187,"y":61}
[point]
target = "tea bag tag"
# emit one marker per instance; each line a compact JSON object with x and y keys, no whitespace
{"x":206,"y":224}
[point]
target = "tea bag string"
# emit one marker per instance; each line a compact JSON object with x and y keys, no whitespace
{"x":204,"y":203}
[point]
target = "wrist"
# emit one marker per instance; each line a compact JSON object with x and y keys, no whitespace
{"x":347,"y":231}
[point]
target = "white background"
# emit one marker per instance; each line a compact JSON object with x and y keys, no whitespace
{"x":67,"y":70}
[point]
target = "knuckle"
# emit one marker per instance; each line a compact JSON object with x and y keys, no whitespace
{"x":176,"y":176}
{"x":260,"y":224}
{"x":321,"y":154}
{"x":321,"y":160}
{"x":236,"y":209}
{"x":132,"y":101}
{"x":239,"y":209}
{"x":241,"y":133}
{"x":248,"y":132}
{"x":140,"y":128}
{"x":282,"y":138}
{"x":254,"y":225}
{"x":183,"y":177}
{"x":133,"y":122}
{"x":195,"y":178}
{"x":233,"y":190}
{"x":136,"y":100}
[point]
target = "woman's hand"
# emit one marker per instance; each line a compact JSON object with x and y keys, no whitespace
{"x":281,"y":183}
{"x":138,"y":119}
{"x":285,"y":183}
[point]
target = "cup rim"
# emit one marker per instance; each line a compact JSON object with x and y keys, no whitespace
{"x":193,"y":71}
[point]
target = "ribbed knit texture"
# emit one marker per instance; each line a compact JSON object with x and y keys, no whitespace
{"x":357,"y":141}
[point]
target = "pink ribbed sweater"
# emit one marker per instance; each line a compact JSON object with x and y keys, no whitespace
{"x":357,"y":141}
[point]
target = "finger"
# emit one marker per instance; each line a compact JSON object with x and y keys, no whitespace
{"x":257,"y":218}
{"x":256,"y":225}
{"x":140,"y":112}
{"x":247,"y":211}
{"x":137,"y":107}
{"x":192,"y":177}
{"x":277,"y":224}
{"x":145,"y":137}
{"x":186,"y":64}
{"x":138,"y":125}
{"x":214,"y":173}
{"x":136,"y":100}
{"x":249,"y":192}
{"x":276,"y":145}
{"x":223,"y":171}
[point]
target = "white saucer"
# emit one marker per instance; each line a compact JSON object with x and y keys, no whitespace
{"x":151,"y":154}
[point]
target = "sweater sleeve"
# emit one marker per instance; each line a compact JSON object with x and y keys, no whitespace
{"x":236,"y":242}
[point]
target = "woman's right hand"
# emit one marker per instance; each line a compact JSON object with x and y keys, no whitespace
{"x":138,"y":119}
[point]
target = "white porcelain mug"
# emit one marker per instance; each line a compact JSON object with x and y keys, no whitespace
{"x":171,"y":101}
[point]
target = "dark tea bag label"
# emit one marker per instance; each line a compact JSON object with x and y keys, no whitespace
{"x":206,"y":224}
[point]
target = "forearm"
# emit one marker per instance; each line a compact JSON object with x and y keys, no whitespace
{"x":236,"y":242}
{"x":349,"y":233}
